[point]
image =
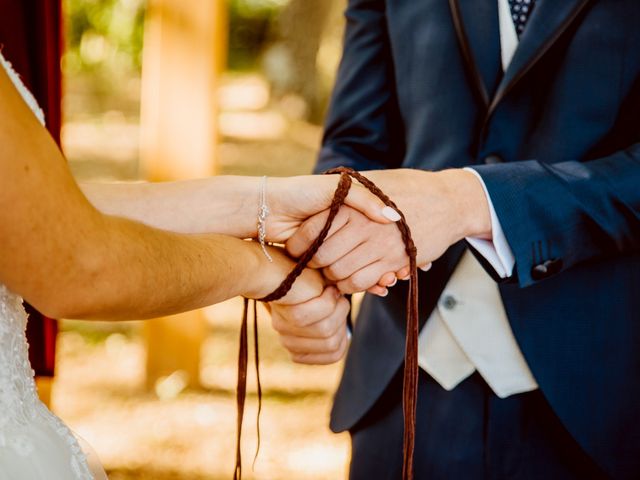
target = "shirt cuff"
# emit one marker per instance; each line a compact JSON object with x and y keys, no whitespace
{"x":496,"y":251}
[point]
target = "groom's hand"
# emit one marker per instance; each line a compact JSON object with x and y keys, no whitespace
{"x":314,"y":332}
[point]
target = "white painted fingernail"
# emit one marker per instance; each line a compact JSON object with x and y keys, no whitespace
{"x":426,"y":267}
{"x":395,"y":280}
{"x":384,"y":294}
{"x":391,"y":214}
{"x":408,"y":277}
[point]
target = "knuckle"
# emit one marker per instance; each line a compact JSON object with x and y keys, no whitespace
{"x":277,"y":324}
{"x":310,"y":231}
{"x":345,"y":287}
{"x":297,"y":316}
{"x":333,"y":272}
{"x":336,"y":356}
{"x":291,"y":345}
{"x":359,"y":282}
{"x":333,"y":343}
{"x":321,"y":258}
{"x":296,"y":358}
{"x":285,"y":342}
{"x":325,"y":330}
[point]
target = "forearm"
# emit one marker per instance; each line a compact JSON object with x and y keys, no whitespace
{"x":69,"y":260}
{"x":226,"y":205}
{"x":124,"y":270}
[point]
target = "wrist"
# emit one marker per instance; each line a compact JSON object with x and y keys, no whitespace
{"x":239,"y":209}
{"x":272,"y":273}
{"x":254,"y":284}
{"x":470,"y":204}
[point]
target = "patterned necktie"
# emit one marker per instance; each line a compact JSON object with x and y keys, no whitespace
{"x":520,"y":13}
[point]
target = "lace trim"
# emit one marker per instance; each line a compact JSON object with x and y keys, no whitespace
{"x":28,"y":97}
{"x":19,"y":400}
{"x":79,"y":464}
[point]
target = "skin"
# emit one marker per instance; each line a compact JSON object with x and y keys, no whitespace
{"x":70,"y":260}
{"x":229,"y":204}
{"x":441,"y":208}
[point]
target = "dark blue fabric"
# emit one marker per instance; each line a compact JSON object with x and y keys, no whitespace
{"x":563,"y":123}
{"x":468,"y":433}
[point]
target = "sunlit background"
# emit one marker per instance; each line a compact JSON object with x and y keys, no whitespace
{"x":246,"y":85}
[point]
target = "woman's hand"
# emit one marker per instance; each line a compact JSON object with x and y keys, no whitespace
{"x":293,"y":200}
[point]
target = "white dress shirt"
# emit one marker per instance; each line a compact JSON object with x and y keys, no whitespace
{"x":469,"y":330}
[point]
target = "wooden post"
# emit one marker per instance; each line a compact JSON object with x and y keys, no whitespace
{"x":184,"y":53}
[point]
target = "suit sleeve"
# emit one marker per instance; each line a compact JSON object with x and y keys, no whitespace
{"x":556,"y":216}
{"x":363,"y":128}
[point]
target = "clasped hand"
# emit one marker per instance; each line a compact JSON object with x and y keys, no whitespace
{"x":360,"y":254}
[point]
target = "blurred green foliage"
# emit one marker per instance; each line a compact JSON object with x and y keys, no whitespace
{"x":107,"y":35}
{"x":250,"y":27}
{"x":103,"y":34}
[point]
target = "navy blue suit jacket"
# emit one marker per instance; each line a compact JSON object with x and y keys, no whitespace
{"x":556,"y":139}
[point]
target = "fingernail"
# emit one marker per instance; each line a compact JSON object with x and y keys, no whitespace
{"x":408,"y":277}
{"x":384,"y":294}
{"x":395,"y":280}
{"x":427,"y":267}
{"x":391,"y":214}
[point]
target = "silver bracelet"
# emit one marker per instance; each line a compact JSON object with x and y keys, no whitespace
{"x":263,"y":213}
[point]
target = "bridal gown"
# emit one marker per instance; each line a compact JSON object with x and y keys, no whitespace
{"x":34,"y":443}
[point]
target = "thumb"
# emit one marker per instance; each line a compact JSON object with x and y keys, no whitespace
{"x":366,"y":202}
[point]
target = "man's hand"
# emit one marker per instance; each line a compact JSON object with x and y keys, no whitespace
{"x":314,"y":332}
{"x":440,"y":208}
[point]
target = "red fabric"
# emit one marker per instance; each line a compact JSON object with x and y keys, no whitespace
{"x":31,"y":39}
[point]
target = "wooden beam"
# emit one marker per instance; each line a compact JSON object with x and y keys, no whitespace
{"x":184,"y":54}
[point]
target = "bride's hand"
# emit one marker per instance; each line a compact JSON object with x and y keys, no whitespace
{"x":292,"y":200}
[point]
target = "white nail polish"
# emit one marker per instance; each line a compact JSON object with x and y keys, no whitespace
{"x":395,"y":280}
{"x":427,"y":267}
{"x":386,"y":292}
{"x":391,"y":214}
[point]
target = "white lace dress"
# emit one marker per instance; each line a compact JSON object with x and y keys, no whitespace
{"x":34,"y":443}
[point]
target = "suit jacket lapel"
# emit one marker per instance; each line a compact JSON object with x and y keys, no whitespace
{"x":550,"y":19}
{"x":477,"y":28}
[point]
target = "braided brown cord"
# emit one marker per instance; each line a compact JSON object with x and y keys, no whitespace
{"x":344,"y":185}
{"x":410,"y":383}
{"x":241,"y":389}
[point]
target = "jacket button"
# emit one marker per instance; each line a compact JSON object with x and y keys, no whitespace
{"x":546,"y":269}
{"x":449,"y":302}
{"x":493,"y":160}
